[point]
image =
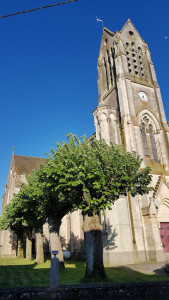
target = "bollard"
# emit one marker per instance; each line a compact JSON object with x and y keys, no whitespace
{"x":54,"y":271}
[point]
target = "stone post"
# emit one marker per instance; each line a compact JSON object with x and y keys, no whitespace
{"x":54,"y":271}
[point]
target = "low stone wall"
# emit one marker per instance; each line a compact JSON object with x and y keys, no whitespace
{"x":147,"y":290}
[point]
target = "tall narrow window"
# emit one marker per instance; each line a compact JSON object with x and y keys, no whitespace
{"x":113,"y":65}
{"x":110,"y":68}
{"x":98,"y":124}
{"x":144,"y":139}
{"x":106,"y":74}
{"x":153,"y":144}
{"x":148,"y":139}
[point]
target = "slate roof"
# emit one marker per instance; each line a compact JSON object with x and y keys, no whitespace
{"x":25,"y":164}
{"x":91,"y":137}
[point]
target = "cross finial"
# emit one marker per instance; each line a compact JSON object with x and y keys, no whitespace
{"x":13,"y":150}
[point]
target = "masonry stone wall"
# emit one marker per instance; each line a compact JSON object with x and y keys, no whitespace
{"x":146,"y":290}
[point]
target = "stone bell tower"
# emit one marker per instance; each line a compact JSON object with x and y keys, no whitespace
{"x":130,"y":112}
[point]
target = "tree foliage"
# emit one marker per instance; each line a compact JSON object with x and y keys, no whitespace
{"x":77,"y":175}
{"x":93,"y":176}
{"x":110,"y":171}
{"x":24,"y":212}
{"x":12,"y":217}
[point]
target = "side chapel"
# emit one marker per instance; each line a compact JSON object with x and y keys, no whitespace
{"x":129,"y":112}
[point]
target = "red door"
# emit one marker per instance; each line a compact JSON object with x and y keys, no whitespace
{"x":164,"y":233}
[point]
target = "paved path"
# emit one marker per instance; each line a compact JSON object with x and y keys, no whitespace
{"x":148,"y":268}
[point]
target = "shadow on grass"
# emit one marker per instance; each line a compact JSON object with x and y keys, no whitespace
{"x":23,"y":275}
{"x":32,"y":274}
{"x":126,"y":275}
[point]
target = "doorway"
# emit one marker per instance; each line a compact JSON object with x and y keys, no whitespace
{"x":164,"y":234}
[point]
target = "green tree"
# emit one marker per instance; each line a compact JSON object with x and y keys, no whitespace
{"x":60,"y":185}
{"x":91,"y":177}
{"x":33,"y":213}
{"x":23,"y":214}
{"x":11,"y":219}
{"x":110,"y":172}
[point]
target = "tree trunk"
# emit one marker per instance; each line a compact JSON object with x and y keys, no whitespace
{"x":20,"y":253}
{"x":55,"y":244}
{"x":39,"y":247}
{"x":28,"y":248}
{"x":94,"y":247}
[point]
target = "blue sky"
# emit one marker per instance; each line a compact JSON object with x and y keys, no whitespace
{"x":48,"y":68}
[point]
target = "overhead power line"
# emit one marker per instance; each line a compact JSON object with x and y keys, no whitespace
{"x":34,"y":9}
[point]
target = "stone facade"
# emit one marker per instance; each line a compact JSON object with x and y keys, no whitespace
{"x":130,"y":112}
{"x":18,"y":167}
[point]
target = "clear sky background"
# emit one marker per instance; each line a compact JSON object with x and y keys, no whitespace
{"x":48,"y":68}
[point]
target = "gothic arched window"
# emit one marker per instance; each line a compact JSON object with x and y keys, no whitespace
{"x":144,"y":139}
{"x":153,"y":143}
{"x":148,"y":139}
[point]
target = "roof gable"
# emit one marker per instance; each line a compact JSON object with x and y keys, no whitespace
{"x":129,"y":26}
{"x":25,"y":164}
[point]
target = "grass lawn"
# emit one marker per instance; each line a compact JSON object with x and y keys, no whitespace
{"x":15,"y":272}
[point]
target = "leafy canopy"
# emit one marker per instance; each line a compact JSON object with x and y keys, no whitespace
{"x":78,"y":174}
{"x":24,"y":212}
{"x":92,"y":176}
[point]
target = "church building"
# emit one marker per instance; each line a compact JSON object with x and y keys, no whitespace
{"x":130,"y":112}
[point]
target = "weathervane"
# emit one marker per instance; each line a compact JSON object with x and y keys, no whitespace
{"x":98,"y":20}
